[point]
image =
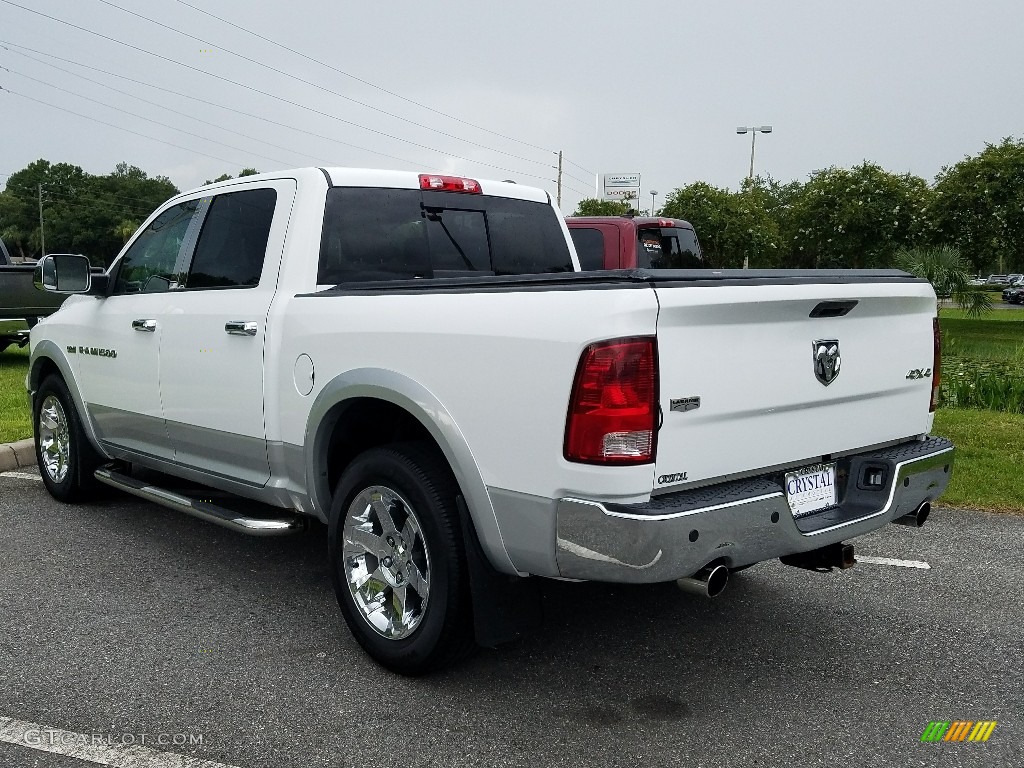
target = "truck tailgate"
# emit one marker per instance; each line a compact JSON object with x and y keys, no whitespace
{"x":746,"y":348}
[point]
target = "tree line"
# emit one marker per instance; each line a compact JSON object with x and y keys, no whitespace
{"x":858,"y":217}
{"x":839,"y":218}
{"x":81,"y":212}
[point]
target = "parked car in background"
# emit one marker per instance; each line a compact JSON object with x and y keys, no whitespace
{"x":19,"y":300}
{"x":997,"y":280}
{"x":634,"y":242}
{"x":1014,"y":294}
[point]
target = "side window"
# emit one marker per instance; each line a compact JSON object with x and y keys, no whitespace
{"x":233,"y":241}
{"x":151,"y":265}
{"x":373,"y":234}
{"x":589,"y":247}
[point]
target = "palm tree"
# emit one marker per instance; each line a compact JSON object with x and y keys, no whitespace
{"x":947,"y":271}
{"x":126,"y":229}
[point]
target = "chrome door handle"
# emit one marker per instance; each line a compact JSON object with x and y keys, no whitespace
{"x":144,"y":325}
{"x":240,"y":327}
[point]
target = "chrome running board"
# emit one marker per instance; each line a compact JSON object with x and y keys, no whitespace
{"x":204,"y":510}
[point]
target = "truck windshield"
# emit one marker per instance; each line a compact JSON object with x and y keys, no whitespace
{"x":668,"y":248}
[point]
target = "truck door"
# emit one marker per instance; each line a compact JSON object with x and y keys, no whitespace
{"x":116,"y":352}
{"x":214,"y":332}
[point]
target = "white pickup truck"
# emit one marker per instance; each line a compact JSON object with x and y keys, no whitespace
{"x":416,"y":361}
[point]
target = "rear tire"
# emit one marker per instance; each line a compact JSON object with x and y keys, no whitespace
{"x":397,"y":559}
{"x":65,"y":456}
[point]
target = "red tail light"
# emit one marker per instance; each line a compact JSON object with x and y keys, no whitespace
{"x":449,"y":183}
{"x":613,"y":409}
{"x":936,"y":364}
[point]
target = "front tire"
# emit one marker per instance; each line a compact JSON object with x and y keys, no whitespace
{"x":65,"y":456}
{"x":397,"y":559}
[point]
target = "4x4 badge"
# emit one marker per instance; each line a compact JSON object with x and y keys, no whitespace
{"x":826,"y":360}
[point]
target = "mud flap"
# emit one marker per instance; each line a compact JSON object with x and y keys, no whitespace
{"x":505,"y":608}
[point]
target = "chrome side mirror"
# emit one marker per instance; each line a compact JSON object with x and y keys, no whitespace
{"x":63,"y":273}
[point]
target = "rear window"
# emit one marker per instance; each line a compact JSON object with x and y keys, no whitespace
{"x":668,"y":248}
{"x":396,"y":234}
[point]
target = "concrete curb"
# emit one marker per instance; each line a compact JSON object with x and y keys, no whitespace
{"x":19,"y":455}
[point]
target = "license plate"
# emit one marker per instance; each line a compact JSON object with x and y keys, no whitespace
{"x":811,"y":489}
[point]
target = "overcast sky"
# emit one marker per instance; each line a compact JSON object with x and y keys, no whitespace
{"x":494,"y":90}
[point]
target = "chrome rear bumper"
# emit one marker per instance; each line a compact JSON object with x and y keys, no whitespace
{"x":741,"y":522}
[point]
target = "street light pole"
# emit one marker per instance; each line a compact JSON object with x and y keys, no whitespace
{"x":653,"y":194}
{"x":753,"y":130}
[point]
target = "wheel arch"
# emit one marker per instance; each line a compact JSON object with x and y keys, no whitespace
{"x":48,"y":358}
{"x":354,"y":399}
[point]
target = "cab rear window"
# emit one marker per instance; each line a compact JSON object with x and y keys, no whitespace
{"x":401,"y":234}
{"x":668,"y":248}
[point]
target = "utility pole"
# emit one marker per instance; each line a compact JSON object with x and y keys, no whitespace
{"x":42,"y":236}
{"x":559,"y":196}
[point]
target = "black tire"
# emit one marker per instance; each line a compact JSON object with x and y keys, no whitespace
{"x":4,"y":345}
{"x":70,"y":479}
{"x":442,"y":630}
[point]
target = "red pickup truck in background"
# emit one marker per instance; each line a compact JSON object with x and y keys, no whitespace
{"x":632,"y":242}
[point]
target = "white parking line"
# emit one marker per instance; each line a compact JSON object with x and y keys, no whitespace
{"x":891,"y":561}
{"x":21,"y":476}
{"x":95,"y":748}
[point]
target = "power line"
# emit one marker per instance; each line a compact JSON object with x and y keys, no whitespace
{"x":317,"y":85}
{"x":149,"y":120}
{"x":365,"y":82}
{"x":118,"y":127}
{"x":147,"y":101}
{"x":190,"y":97}
{"x":573,"y":189}
{"x":570,"y":162}
{"x":270,"y":95}
{"x":570,"y":176}
{"x":93,"y":205}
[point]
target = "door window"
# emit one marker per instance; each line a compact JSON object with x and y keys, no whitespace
{"x":233,"y":241}
{"x":153,"y":263}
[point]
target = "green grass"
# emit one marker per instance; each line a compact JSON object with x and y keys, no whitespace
{"x":997,"y":336}
{"x":990,"y":453}
{"x":15,"y":419}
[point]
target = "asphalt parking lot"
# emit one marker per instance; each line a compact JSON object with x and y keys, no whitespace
{"x":125,"y":622}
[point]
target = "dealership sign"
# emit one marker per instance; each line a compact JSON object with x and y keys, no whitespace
{"x":619,"y":186}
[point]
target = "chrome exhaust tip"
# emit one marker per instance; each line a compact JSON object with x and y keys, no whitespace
{"x":916,"y":518}
{"x":709,"y":581}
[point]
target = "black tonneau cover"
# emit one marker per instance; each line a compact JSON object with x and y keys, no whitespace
{"x":621,"y":278}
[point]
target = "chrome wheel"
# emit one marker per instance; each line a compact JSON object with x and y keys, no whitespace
{"x":54,"y":440}
{"x":386,"y":562}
